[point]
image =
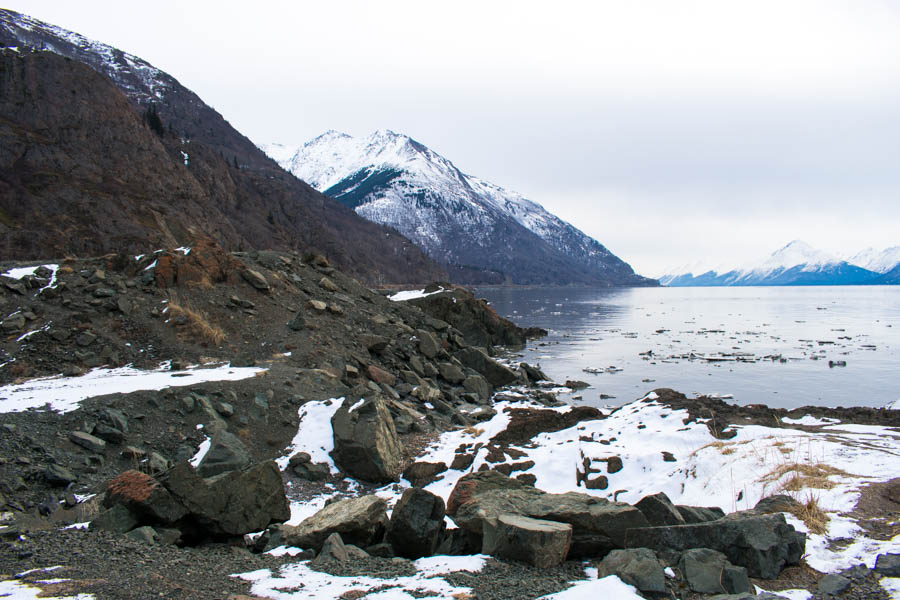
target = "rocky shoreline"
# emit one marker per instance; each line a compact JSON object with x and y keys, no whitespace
{"x":352,"y":430}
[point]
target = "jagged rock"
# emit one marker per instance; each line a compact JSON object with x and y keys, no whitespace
{"x":145,"y":534}
{"x":426,"y":393}
{"x":495,"y":373}
{"x":709,"y":572}
{"x":598,"y":524}
{"x":327,"y":284}
{"x":416,"y":524}
{"x":659,"y":510}
{"x":87,"y":441}
{"x":298,"y":323}
{"x":833,"y":585}
{"x":478,"y":385}
{"x":332,"y":550}
{"x":117,"y":519}
{"x":374,"y":343}
{"x":636,"y":566}
{"x":763,"y":544}
{"x":317,"y":305}
{"x":537,"y":542}
{"x":256,"y":279}
{"x":115,"y":418}
{"x":533,"y":373}
{"x":233,"y":503}
{"x":365,"y":441}
{"x":57,"y":475}
{"x":614,"y":464}
{"x":226,"y":453}
{"x":379,"y":375}
{"x":776,"y":504}
{"x":422,"y":473}
{"x":157,"y":462}
{"x":13,"y":323}
{"x":888,"y":565}
{"x":451,"y":373}
{"x":301,"y":464}
{"x":109,"y":433}
{"x":144,"y":496}
{"x":361,"y":521}
{"x":428,"y":345}
{"x":699,"y":514}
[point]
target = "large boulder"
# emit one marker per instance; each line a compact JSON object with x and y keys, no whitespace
{"x":537,"y":542}
{"x":417,"y":524}
{"x":699,"y":514}
{"x":226,"y":453}
{"x":763,"y":544}
{"x":495,"y":373}
{"x":709,"y":572}
{"x":360,"y":521}
{"x":365,"y":441}
{"x":636,"y":566}
{"x":598,"y":525}
{"x":659,"y":510}
{"x":230,"y":504}
{"x":144,"y":497}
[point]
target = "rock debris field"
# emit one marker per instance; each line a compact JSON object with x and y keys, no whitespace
{"x":197,"y":424}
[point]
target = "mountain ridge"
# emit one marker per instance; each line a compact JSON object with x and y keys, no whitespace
{"x":458,"y":219}
{"x":796,"y":263}
{"x":217,"y":183}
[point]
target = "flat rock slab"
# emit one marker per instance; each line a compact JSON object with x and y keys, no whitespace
{"x":536,"y":542}
{"x":360,"y":521}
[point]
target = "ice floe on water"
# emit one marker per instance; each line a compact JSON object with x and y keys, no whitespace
{"x":64,"y":394}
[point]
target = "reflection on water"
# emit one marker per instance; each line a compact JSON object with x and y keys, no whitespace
{"x":782,"y":346}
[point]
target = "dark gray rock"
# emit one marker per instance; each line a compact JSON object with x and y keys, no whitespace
{"x":233,"y":503}
{"x":374,"y":343}
{"x":700,"y":514}
{"x":888,"y":565}
{"x":301,"y":464}
{"x":416,"y":524}
{"x":537,"y":542}
{"x":117,"y":519}
{"x":495,"y":373}
{"x":451,"y":373}
{"x":428,"y":345}
{"x":478,"y":385}
{"x":776,"y":504}
{"x":145,"y":534}
{"x":365,"y":441}
{"x":226,"y":453}
{"x":422,"y":473}
{"x":87,"y":441}
{"x":709,"y":572}
{"x":255,"y":279}
{"x":833,"y":584}
{"x":659,"y":510}
{"x":108,"y":433}
{"x":636,"y":566}
{"x":58,"y":475}
{"x":598,"y":524}
{"x":763,"y":544}
{"x":332,"y":550}
{"x":614,"y":464}
{"x":361,"y":521}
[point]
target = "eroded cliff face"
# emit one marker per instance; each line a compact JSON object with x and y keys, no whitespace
{"x":82,"y":172}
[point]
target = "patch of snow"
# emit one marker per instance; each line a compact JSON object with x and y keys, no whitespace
{"x":298,"y":581}
{"x":150,"y":266}
{"x":201,"y":452}
{"x":64,"y":394}
{"x":789,"y":594}
{"x":83,"y":525}
{"x":357,"y":404}
{"x":314,"y":435}
{"x":284,"y":551}
{"x":809,"y":420}
{"x":412,"y":295}
{"x":608,"y":587}
{"x":892,"y":586}
{"x":183,"y":249}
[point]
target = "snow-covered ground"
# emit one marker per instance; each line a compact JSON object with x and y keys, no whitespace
{"x":732,"y":474}
{"x":65,"y":394}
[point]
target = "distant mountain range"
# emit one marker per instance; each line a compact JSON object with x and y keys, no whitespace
{"x":102,"y":152}
{"x":798,"y":263}
{"x":481,"y":232}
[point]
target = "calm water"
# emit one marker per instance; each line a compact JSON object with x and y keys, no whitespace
{"x":760,"y":345}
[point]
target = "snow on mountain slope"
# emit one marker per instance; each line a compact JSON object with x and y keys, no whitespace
{"x":458,"y":219}
{"x":873,"y":260}
{"x":797,"y":263}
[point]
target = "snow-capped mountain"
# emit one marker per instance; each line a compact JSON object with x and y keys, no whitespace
{"x":878,"y":261}
{"x":481,"y":231}
{"x":797,"y":263}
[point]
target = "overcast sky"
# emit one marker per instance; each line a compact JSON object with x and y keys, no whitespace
{"x":671,"y":131}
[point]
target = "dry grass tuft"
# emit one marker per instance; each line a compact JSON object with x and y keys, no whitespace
{"x":804,"y":476}
{"x":812,"y":515}
{"x":193,"y":324}
{"x":204,"y":283}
